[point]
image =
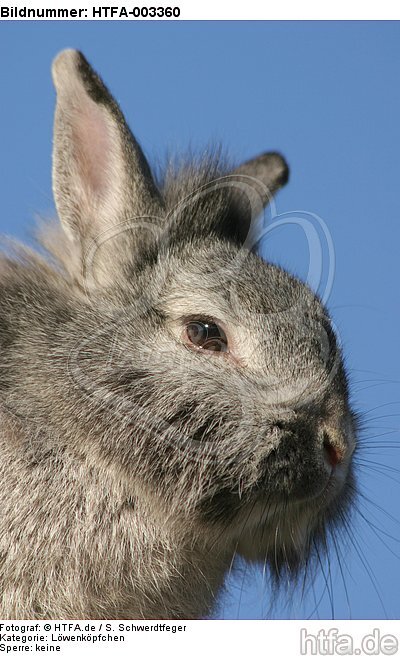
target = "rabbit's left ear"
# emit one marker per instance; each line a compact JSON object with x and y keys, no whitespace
{"x":253,"y":185}
{"x":269,"y":172}
{"x":229,"y":206}
{"x":101,"y":179}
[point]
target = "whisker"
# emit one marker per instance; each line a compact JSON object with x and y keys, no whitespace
{"x":366,"y":565}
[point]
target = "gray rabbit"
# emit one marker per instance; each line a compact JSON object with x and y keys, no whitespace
{"x":167,"y":399}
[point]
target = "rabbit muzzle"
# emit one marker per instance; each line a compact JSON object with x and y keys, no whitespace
{"x":310,"y":460}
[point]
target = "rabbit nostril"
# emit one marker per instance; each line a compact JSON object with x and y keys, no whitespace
{"x":279,"y":424}
{"x":332,"y":454}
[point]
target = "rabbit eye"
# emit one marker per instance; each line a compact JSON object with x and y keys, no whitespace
{"x":206,"y":335}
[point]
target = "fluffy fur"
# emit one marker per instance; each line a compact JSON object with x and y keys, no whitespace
{"x":133,"y":467}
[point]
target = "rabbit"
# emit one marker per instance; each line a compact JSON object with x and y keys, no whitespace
{"x":169,"y":401}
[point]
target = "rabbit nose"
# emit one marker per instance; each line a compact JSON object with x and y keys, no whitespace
{"x":333,"y":454}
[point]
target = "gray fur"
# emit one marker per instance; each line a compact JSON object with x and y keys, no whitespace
{"x":132,"y":467}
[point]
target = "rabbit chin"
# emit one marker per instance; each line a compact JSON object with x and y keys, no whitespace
{"x":282,"y":533}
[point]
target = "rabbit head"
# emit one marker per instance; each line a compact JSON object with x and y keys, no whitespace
{"x":210,"y":381}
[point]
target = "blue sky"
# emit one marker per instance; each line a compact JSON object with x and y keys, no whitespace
{"x":327,"y":95}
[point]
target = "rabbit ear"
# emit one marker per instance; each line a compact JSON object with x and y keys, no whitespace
{"x":268,"y":171}
{"x":227,"y":204}
{"x":254,"y":183}
{"x":100,"y":175}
